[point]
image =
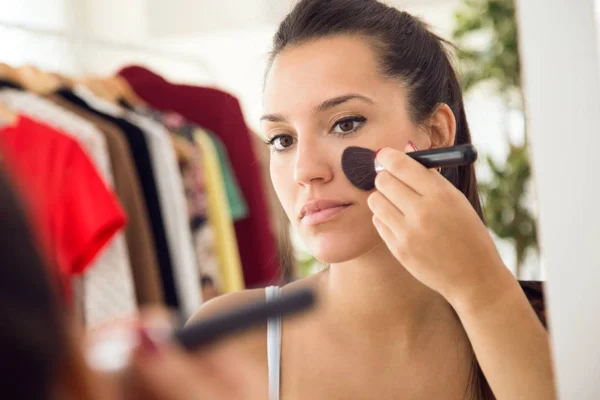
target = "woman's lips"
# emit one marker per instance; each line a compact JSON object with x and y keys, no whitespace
{"x":324,"y":215}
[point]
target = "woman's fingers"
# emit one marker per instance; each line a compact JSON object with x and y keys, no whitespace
{"x":386,"y":212}
{"x":159,"y":369}
{"x":162,"y":371}
{"x":407,"y":170}
{"x":397,"y":192}
{"x":388,"y":237}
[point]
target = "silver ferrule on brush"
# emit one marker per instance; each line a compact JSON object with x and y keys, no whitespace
{"x":378,"y":166}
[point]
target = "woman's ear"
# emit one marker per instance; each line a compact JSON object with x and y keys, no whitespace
{"x":442,"y":127}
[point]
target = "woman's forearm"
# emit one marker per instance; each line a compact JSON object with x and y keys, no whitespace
{"x":509,"y":341}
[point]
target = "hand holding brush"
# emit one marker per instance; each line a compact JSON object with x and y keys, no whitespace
{"x":361,"y":167}
{"x":427,"y":223}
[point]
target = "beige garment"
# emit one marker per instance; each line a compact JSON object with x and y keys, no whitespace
{"x":138,"y":234}
{"x":183,"y":149}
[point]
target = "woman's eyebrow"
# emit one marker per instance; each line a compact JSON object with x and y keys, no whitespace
{"x":274,"y":118}
{"x":336,"y":101}
{"x":324,"y":106}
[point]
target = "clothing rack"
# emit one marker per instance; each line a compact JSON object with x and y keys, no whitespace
{"x":112,"y":45}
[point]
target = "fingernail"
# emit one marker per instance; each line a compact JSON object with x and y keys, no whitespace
{"x":148,"y":345}
{"x":378,"y":166}
{"x":412,"y":145}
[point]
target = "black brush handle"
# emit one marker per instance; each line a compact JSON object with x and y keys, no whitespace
{"x":455,"y":156}
{"x":227,"y":323}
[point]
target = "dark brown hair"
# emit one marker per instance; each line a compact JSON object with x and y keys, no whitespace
{"x":33,"y":336}
{"x":409,"y":53}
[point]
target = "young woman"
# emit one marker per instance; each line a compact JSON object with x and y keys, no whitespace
{"x":416,"y":300}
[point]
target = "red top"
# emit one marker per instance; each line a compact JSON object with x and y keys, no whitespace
{"x":72,"y":211}
{"x":221,"y":113}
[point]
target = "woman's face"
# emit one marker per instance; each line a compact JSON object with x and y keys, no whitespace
{"x":321,"y":97}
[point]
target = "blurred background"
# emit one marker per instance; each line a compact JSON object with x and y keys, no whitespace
{"x":224,"y":45}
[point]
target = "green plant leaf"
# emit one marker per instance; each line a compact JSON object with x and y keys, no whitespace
{"x":498,"y":63}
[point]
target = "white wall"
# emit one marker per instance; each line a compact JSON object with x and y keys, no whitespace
{"x":18,"y":48}
{"x":562,"y":85}
{"x":43,"y":13}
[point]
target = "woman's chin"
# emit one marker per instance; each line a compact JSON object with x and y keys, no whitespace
{"x":338,"y":251}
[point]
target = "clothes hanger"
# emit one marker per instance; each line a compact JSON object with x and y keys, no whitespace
{"x":7,"y":72}
{"x":7,"y":115}
{"x":37,"y":81}
{"x":8,"y":77}
{"x":125,"y":90}
{"x":100,"y":88}
{"x":66,"y":81}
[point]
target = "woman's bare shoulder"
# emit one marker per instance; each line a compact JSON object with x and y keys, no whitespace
{"x":250,"y":343}
{"x":236,"y":299}
{"x":253,"y":340}
{"x":227,"y":302}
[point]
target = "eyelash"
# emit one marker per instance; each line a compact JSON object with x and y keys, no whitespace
{"x":356,"y":118}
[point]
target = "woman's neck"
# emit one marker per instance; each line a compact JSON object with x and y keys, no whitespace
{"x":375,"y":294}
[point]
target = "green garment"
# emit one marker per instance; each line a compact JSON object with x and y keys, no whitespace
{"x":235,"y":198}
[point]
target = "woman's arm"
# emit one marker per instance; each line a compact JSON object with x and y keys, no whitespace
{"x":508,"y":338}
{"x":435,"y":233}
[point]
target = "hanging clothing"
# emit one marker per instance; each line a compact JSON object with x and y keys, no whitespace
{"x":238,"y":209}
{"x":194,"y":184}
{"x":172,"y":200}
{"x":206,"y":253}
{"x":221,"y":113}
{"x":186,"y":155}
{"x":183,"y":150}
{"x":140,"y":243}
{"x":218,"y":215}
{"x":74,"y":212}
{"x":141,"y":157}
{"x":81,"y":130}
{"x":108,"y":285}
{"x":193,"y":180}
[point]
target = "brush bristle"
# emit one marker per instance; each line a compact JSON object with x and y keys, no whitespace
{"x":358,"y":165}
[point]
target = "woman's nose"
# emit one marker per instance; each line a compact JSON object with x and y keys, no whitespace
{"x":312,"y":165}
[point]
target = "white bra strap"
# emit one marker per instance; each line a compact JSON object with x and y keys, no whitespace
{"x":273,"y":346}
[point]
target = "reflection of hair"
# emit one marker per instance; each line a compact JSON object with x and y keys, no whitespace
{"x":407,"y":51}
{"x":32,"y":332}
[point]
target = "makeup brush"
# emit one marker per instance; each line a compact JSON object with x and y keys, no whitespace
{"x":112,"y":355}
{"x":227,"y":323}
{"x":358,"y":163}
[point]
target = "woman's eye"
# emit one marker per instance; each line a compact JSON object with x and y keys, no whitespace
{"x":282,"y":142}
{"x":348,"y":125}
